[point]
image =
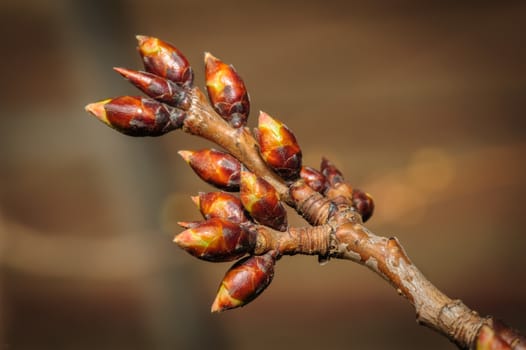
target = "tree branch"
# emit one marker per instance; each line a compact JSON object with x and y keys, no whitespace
{"x":335,"y":210}
{"x":343,"y":236}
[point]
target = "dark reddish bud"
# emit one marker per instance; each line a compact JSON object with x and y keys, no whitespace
{"x":226,"y":91}
{"x":137,"y":116}
{"x":221,"y":205}
{"x":215,"y":240}
{"x":262,"y":202}
{"x":363,"y":203}
{"x":165,"y":60}
{"x":278,"y":146}
{"x":217,"y":168}
{"x":244,"y":281}
{"x":339,"y":191}
{"x":313,"y":178}
{"x":331,"y":173}
{"x":157,"y":87}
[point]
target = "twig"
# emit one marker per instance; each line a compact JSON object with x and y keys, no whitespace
{"x":267,"y":172}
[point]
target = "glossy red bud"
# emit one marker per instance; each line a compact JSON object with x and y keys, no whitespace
{"x":278,"y":146}
{"x":331,"y":173}
{"x":244,"y":281}
{"x":262,"y":201}
{"x":227,"y":91}
{"x":137,"y":116}
{"x":216,"y":240}
{"x":217,"y":168}
{"x":313,"y":178}
{"x":165,"y":60}
{"x":221,"y":205}
{"x":158,"y":88}
{"x":363,"y":203}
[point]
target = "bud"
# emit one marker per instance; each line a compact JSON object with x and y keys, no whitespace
{"x":137,"y":116}
{"x":215,"y":240}
{"x":337,"y":189}
{"x":278,"y":146}
{"x":157,"y":87}
{"x":165,"y":60}
{"x":262,"y":202}
{"x":227,"y":91}
{"x":244,"y":281}
{"x":331,"y":173}
{"x":217,"y":168}
{"x":313,"y":178}
{"x":363,"y":203}
{"x":221,"y":205}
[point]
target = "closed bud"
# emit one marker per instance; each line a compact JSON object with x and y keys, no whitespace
{"x":137,"y":116}
{"x":244,"y":281}
{"x":157,"y":87}
{"x":278,"y":146}
{"x":331,"y":173}
{"x":226,"y":91}
{"x":218,"y":168}
{"x":215,"y":240}
{"x":262,"y":202}
{"x":165,"y":60}
{"x":363,"y":203}
{"x":221,"y":205}
{"x":313,"y":178}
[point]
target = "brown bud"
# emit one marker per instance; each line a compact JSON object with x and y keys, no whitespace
{"x":313,"y":178}
{"x":221,"y":205}
{"x":217,"y":168}
{"x":226,"y":91}
{"x":331,"y":173}
{"x":262,"y":202}
{"x":165,"y":60}
{"x":278,"y":146}
{"x":157,"y":87}
{"x":137,"y":116}
{"x":363,"y":203}
{"x":244,"y":281}
{"x":215,"y":240}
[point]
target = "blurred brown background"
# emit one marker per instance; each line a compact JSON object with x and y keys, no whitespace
{"x":422,"y":105}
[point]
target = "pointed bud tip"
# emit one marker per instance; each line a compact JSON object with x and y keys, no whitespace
{"x":142,"y":38}
{"x":122,"y":71}
{"x":177,"y":238}
{"x":196,"y":200}
{"x":97,"y":109}
{"x":215,"y":306}
{"x":263,"y":117}
{"x":126,"y":73}
{"x":186,"y":155}
{"x":209,"y":56}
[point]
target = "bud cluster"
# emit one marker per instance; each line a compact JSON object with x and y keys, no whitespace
{"x":167,"y":81}
{"x":229,"y":227}
{"x":330,"y":182}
